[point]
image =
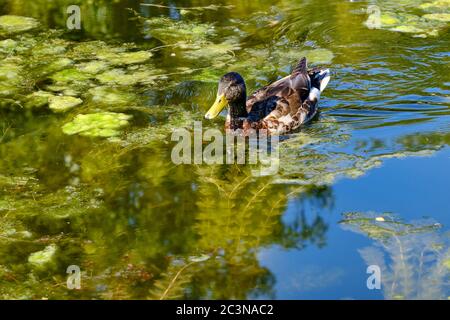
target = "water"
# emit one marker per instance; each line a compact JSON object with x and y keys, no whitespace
{"x":139,"y":226}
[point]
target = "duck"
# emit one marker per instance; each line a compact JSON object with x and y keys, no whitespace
{"x":280,"y":107}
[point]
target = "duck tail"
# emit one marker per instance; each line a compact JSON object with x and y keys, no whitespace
{"x":302,"y":66}
{"x":320,"y":78}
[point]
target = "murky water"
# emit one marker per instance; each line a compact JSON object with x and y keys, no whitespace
{"x":86,"y":176}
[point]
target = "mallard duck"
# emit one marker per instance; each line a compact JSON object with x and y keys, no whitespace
{"x":280,"y":107}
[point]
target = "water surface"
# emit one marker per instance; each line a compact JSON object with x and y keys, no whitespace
{"x":365,"y":183}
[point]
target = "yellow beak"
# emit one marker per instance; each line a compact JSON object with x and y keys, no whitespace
{"x":220,"y":103}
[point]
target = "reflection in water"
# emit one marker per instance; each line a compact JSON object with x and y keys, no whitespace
{"x":132,"y":238}
{"x":417,"y":265}
{"x":140,"y":226}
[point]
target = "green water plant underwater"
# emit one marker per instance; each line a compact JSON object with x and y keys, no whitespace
{"x":10,"y":24}
{"x":417,"y":265}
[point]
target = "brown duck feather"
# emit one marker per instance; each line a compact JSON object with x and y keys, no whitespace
{"x":284,"y":105}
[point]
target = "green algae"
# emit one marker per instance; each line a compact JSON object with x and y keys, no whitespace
{"x":409,"y":22}
{"x":102,"y":55}
{"x":435,"y":6}
{"x":93,"y":67}
{"x":11,"y":24}
{"x":116,"y":76}
{"x":63,"y":103}
{"x":55,"y":209}
{"x":7,"y":45}
{"x":123,"y":78}
{"x":125,"y":58}
{"x":51,"y":47}
{"x":72,"y":69}
{"x":125,"y":222}
{"x":417,"y":252}
{"x":224,"y":50}
{"x":170,"y":31}
{"x":69,"y":81}
{"x":10,"y":70}
{"x":38,"y":99}
{"x":41,"y":69}
{"x":74,"y":90}
{"x":42,"y":258}
{"x":192,"y":40}
{"x":70,"y":75}
{"x":103,"y":124}
{"x":58,"y":64}
{"x":11,"y":79}
{"x":13,"y":230}
{"x":381,"y":229}
{"x":407,"y":29}
{"x":88,"y":49}
{"x":13,"y":181}
{"x":447,"y":264}
{"x":445,"y":17}
{"x":112,"y":96}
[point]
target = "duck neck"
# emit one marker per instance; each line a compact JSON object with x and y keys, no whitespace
{"x":238,"y":108}
{"x":237,"y":112}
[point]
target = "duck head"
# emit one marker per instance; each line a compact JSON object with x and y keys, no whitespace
{"x":231,"y":92}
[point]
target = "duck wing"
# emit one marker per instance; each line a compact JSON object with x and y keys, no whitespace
{"x":298,"y":81}
{"x":278,"y":103}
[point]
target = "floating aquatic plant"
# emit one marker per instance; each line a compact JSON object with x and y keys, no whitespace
{"x":384,"y":227}
{"x":174,"y":118}
{"x":170,"y":31}
{"x":124,"y":58}
{"x":88,"y":49}
{"x":38,"y":99}
{"x":63,"y":103}
{"x":314,"y":56}
{"x":10,"y":24}
{"x":209,"y":50}
{"x":50,"y":47}
{"x":44,"y":257}
{"x":445,"y":17}
{"x":93,"y":67}
{"x":57,"y":64}
{"x":11,"y":79}
{"x":416,"y":265}
{"x":213,"y":7}
{"x":408,"y":21}
{"x":435,"y":6}
{"x":103,"y":124}
{"x":7,"y":45}
{"x":112,"y":96}
{"x":70,"y":75}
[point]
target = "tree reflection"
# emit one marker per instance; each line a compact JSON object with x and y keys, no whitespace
{"x":418,"y":256}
